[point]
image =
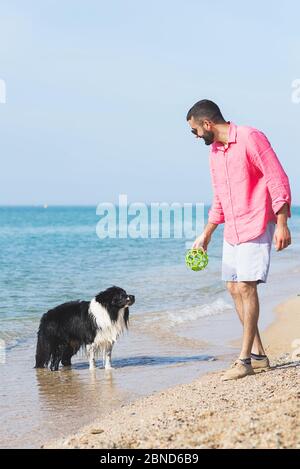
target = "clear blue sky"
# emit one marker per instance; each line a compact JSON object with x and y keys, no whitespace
{"x":97,"y":94}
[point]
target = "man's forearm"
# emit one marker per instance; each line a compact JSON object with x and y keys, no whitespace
{"x":282,"y":215}
{"x":210,"y":228}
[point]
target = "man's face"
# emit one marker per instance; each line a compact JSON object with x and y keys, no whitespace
{"x":203,"y":129}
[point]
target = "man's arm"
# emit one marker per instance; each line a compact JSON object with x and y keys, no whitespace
{"x":282,"y":236}
{"x":264,"y":157}
{"x":215,"y":217}
{"x":215,"y":213}
{"x":205,"y":237}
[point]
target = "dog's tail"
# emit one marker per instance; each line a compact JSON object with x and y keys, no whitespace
{"x":43,"y":353}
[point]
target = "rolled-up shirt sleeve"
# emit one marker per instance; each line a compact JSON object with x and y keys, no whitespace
{"x":215,"y":213}
{"x":263,"y":156}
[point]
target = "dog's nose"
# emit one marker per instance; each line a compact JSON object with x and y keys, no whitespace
{"x":131,"y":298}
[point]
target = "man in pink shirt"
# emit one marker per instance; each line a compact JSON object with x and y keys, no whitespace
{"x":252,"y":197}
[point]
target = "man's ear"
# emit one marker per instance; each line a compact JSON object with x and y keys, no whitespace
{"x":206,"y":124}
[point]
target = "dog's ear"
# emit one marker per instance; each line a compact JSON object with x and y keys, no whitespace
{"x":126,"y":317}
{"x":99,"y":297}
{"x":106,"y":297}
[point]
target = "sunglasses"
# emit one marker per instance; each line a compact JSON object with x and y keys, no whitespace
{"x":195,"y":132}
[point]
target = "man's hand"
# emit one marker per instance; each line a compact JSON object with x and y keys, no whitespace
{"x":202,"y":241}
{"x":204,"y":238}
{"x":282,"y":237}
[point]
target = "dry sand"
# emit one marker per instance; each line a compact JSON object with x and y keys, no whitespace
{"x":261,"y":411}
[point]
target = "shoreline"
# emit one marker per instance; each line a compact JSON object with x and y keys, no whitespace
{"x":260,"y":411}
{"x":281,"y":336}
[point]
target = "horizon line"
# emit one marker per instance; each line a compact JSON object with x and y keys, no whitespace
{"x":44,"y":205}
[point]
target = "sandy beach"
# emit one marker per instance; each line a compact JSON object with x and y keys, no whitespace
{"x":261,"y":411}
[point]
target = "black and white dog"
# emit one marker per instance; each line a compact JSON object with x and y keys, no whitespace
{"x":94,"y":324}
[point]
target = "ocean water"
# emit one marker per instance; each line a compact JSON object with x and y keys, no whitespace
{"x":181,"y":325}
{"x":53,"y":255}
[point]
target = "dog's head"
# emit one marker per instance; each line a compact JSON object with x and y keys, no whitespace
{"x":115,"y":297}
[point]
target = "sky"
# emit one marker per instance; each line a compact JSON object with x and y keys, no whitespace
{"x":97,"y":94}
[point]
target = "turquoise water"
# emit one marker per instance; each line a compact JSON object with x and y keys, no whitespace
{"x":181,"y":324}
{"x":52,"y":255}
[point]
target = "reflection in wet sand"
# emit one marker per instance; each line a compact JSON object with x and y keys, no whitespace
{"x":70,"y":388}
{"x":40,"y":405}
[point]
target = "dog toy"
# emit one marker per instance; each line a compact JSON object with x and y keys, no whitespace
{"x":196,"y":259}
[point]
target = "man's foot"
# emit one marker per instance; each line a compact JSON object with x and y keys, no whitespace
{"x":239,"y":369}
{"x":260,"y":363}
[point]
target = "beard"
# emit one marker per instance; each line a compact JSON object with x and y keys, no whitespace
{"x":208,"y":137}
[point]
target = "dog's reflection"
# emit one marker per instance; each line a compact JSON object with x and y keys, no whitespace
{"x":77,"y":391}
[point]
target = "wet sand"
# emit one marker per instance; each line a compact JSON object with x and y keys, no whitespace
{"x":261,"y":411}
{"x":38,"y":405}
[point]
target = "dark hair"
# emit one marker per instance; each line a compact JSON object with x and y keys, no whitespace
{"x":205,"y":109}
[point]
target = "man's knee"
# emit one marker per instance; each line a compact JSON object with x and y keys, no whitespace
{"x":232,"y":287}
{"x":247,"y":288}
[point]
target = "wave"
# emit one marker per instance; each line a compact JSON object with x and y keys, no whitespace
{"x":184,"y":315}
{"x":193,"y":313}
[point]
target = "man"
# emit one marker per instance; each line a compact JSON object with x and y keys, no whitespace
{"x":252,"y":197}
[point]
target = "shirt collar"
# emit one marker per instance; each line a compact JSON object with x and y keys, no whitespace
{"x":231,"y":138}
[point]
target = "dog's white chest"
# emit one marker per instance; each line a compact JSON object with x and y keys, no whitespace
{"x":108,"y":330}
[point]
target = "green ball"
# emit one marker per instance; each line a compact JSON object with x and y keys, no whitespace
{"x":196,"y":259}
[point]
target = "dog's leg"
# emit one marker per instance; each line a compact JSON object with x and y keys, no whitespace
{"x":67,"y":355}
{"x":56,"y":358}
{"x":91,"y":354}
{"x":107,"y":356}
{"x":54,"y":361}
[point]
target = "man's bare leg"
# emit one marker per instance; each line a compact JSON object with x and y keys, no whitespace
{"x":247,"y":305}
{"x":234,"y":290}
{"x":248,"y":292}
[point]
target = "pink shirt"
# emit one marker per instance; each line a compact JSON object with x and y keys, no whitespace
{"x":249,"y":184}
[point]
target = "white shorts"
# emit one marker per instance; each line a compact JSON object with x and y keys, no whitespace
{"x":250,"y":261}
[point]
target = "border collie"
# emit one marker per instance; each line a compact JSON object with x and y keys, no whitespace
{"x":94,"y":324}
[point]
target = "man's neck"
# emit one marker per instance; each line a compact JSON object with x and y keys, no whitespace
{"x":222,"y":133}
